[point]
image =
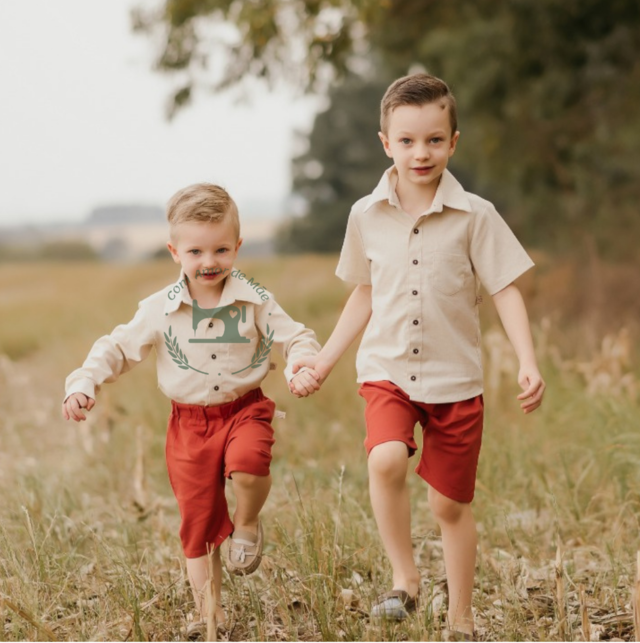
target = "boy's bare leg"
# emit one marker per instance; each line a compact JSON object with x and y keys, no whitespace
{"x":251,"y":493}
{"x":198,"y":573}
{"x":388,"y":464}
{"x":459,"y":542}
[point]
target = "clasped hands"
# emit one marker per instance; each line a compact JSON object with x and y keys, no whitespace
{"x":311,"y":372}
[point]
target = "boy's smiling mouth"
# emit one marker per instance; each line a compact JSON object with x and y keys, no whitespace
{"x":210,"y":273}
{"x":423,"y":169}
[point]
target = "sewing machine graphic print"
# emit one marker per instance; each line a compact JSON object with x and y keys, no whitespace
{"x":229,"y":315}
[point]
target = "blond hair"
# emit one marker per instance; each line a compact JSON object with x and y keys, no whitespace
{"x":417,"y":89}
{"x":203,"y":202}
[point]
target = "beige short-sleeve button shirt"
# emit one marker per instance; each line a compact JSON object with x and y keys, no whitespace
{"x":199,"y":371}
{"x":424,"y":331}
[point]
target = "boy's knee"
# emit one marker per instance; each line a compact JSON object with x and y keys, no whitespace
{"x":445,"y":509}
{"x":389,"y":461}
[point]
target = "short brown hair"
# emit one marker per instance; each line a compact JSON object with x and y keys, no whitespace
{"x":204,"y":202}
{"x":417,"y":89}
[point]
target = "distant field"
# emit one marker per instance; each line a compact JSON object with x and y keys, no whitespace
{"x":130,"y":241}
{"x":88,"y":525}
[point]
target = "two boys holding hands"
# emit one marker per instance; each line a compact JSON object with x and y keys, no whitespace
{"x":416,"y":249}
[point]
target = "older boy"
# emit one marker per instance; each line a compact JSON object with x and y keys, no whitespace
{"x":212,"y":331}
{"x":416,"y":248}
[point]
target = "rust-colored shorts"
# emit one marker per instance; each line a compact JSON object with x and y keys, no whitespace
{"x":452,"y":435}
{"x":205,"y":445}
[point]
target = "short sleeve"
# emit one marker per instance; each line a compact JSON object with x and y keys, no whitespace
{"x":353,"y":265}
{"x":496,"y":254}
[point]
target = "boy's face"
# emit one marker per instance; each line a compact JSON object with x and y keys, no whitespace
{"x":420,"y":142}
{"x":206,"y":251}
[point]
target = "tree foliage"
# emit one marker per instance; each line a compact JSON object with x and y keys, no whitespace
{"x":305,"y":42}
{"x":548,"y":94}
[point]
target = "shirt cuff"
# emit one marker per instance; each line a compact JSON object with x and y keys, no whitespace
{"x":84,"y":386}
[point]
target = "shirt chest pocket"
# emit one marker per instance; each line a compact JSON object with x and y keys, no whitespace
{"x":449,"y":273}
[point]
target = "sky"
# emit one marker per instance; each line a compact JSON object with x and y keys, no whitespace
{"x":82,"y":119}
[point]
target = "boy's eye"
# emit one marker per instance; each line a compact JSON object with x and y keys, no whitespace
{"x":436,"y":139}
{"x":195,"y":252}
{"x":405,"y":141}
{"x":223,"y":250}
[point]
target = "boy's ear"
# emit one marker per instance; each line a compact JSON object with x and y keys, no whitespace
{"x":174,"y":252}
{"x":385,"y":144}
{"x":453,"y":143}
{"x":240,"y":240}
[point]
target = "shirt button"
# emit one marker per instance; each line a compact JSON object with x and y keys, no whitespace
{"x":210,"y":324}
{"x":415,"y":262}
{"x":415,"y":322}
{"x":415,"y":292}
{"x":216,"y":388}
{"x":213,"y":356}
{"x":413,"y":378}
{"x":415,"y":351}
{"x":415,"y":231}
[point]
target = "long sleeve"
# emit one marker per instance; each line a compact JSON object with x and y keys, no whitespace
{"x":291,"y":339}
{"x":112,"y":355}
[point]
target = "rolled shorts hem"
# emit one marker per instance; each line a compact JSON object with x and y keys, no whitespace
{"x":260,"y":472}
{"x":412,"y":448}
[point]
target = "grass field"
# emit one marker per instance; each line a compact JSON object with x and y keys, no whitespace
{"x":88,"y":524}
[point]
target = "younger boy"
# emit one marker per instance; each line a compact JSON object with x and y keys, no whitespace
{"x":212,"y":331}
{"x":416,"y":248}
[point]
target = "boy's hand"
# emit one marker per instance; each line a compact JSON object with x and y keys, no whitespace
{"x":315,"y":362}
{"x":305,"y":383}
{"x":71,"y":407}
{"x":533,"y":387}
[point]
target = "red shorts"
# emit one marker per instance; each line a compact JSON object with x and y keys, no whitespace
{"x":452,"y":435}
{"x":205,"y":444}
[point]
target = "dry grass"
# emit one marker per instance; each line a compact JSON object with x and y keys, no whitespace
{"x":88,"y":525}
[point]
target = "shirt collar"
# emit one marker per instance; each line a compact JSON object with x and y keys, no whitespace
{"x":449,"y":193}
{"x":236,"y":288}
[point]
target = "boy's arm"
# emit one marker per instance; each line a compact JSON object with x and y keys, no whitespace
{"x":292,"y":339}
{"x":353,"y":319}
{"x":112,"y":355}
{"x":513,"y":314}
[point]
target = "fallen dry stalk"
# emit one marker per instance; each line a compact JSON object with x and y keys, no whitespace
{"x":42,"y":629}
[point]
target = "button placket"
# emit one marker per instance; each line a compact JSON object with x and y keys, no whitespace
{"x":414,"y":319}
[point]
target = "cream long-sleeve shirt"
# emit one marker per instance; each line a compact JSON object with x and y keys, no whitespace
{"x":199,"y":372}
